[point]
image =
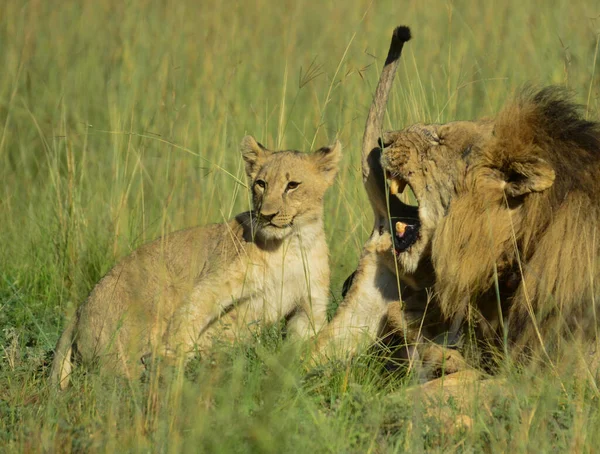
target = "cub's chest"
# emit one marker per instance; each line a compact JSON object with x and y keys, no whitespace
{"x":286,"y":272}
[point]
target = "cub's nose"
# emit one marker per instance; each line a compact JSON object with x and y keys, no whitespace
{"x":268,"y":215}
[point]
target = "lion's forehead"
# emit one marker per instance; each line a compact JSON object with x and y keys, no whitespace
{"x":422,"y":128}
{"x":459,"y":127}
{"x":479,"y":127}
{"x":449,"y":145}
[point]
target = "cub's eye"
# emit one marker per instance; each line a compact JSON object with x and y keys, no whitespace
{"x":260,"y":183}
{"x":291,"y":186}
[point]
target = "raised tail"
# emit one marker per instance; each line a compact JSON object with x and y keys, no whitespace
{"x":373,"y":177}
{"x":62,"y":364}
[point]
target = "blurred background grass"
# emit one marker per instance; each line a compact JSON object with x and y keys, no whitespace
{"x":120,"y":121}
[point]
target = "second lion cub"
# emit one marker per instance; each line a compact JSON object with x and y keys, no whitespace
{"x":175,"y":294}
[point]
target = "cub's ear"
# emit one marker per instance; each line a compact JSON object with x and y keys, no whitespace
{"x":527,"y":174}
{"x":327,"y":160}
{"x":253,"y":153}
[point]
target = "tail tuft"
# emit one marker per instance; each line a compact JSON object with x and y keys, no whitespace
{"x":399,"y":37}
{"x":402,"y":33}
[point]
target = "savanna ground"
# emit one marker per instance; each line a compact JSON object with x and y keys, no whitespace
{"x":120,"y":121}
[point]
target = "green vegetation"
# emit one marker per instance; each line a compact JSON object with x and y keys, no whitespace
{"x":120,"y":121}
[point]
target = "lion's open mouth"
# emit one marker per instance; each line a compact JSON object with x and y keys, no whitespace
{"x":405,"y":225}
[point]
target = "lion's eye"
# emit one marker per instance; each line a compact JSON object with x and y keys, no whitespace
{"x":291,"y":186}
{"x":260,"y":183}
{"x":467,"y":151}
{"x":432,"y":136}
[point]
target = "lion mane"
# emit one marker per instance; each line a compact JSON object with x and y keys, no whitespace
{"x":518,"y":249}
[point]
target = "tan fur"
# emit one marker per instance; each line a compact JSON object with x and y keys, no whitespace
{"x":371,"y":308}
{"x":450,"y":399}
{"x":174,"y":295}
{"x":371,"y":311}
{"x":361,"y":316}
{"x":511,"y":207}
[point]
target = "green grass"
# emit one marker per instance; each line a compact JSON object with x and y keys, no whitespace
{"x":120,"y":121}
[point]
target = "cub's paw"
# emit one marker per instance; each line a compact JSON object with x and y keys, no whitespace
{"x":380,"y":243}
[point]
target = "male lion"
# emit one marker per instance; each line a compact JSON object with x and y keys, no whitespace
{"x":175,"y":294}
{"x":511,"y":207}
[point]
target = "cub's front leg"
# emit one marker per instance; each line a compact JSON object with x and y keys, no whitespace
{"x":361,"y":315}
{"x":310,"y":315}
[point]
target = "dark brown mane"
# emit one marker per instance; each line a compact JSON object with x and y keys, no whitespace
{"x":569,"y":142}
{"x":561,"y":120}
{"x":529,"y":216}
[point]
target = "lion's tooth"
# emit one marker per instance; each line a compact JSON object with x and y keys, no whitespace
{"x":396,"y":185}
{"x":400,"y":228}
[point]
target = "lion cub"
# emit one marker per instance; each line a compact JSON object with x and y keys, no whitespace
{"x":174,"y":295}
